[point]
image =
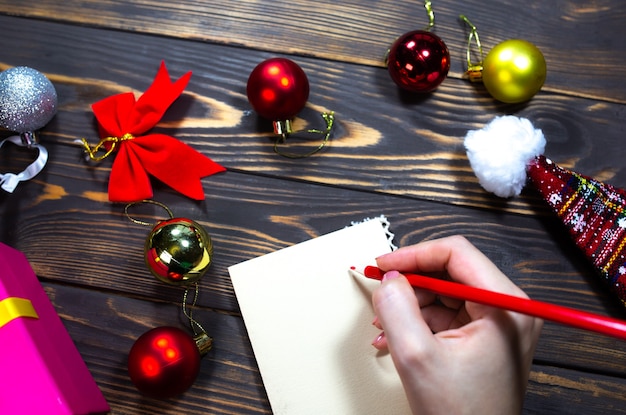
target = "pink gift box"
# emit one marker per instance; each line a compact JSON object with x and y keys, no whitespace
{"x":41,"y":371}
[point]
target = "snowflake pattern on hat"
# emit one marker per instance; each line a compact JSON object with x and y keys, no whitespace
{"x":593,"y":212}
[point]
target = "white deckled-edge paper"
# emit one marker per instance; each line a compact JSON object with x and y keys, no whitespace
{"x":309,"y":323}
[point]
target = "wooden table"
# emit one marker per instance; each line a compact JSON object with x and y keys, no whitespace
{"x":392,"y":153}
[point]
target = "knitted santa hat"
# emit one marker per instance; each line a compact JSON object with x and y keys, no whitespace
{"x":508,"y":151}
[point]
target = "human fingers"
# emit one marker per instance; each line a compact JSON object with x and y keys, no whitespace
{"x":440,"y":318}
{"x":425,"y":299}
{"x":398,"y":312}
{"x":456,"y":257}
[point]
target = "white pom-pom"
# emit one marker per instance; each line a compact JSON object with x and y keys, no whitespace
{"x":500,"y":152}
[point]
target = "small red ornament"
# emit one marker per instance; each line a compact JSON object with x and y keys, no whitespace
{"x":278,"y":89}
{"x":164,"y":362}
{"x":418,"y":61}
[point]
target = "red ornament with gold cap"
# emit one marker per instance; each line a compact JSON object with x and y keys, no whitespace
{"x":165,"y":361}
{"x":278,"y":89}
{"x":419,"y":61}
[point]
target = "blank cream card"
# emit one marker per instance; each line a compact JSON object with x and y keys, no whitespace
{"x":309,"y":322}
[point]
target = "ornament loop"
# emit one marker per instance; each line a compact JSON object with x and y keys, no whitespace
{"x":431,"y":14}
{"x":204,"y":342}
{"x":474,"y":70}
{"x":9,"y":181}
{"x":284,"y":129}
{"x":111,"y":142}
{"x":141,"y":222}
{"x":196,"y":327}
{"x":29,"y":139}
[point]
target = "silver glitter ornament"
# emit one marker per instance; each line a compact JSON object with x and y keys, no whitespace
{"x":28,"y":100}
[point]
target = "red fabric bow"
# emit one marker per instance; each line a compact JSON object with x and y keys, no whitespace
{"x":122,"y":121}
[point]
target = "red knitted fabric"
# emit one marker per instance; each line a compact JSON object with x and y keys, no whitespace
{"x":593,"y":212}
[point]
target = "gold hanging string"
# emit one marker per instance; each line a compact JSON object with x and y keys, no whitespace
{"x":203,"y":341}
{"x":474,"y":70}
{"x":201,"y":338}
{"x":329,"y":119}
{"x":113,"y":141}
{"x":141,"y":222}
{"x":188,"y":312}
{"x":431,"y":14}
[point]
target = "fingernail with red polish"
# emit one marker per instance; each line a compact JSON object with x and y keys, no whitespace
{"x":390,"y":275}
{"x":379,"y":341}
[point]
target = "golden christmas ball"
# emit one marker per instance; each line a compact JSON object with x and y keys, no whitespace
{"x":178,"y":251}
{"x":514,"y":71}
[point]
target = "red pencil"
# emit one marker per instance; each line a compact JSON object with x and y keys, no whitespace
{"x":564,"y":315}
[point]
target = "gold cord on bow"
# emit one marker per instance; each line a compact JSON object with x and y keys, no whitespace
{"x":113,"y":141}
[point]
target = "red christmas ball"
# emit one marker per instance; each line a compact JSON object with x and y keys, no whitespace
{"x":418,"y":61}
{"x":164,"y":362}
{"x":277,"y":89}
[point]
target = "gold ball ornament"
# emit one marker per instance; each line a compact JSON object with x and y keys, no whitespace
{"x":514,"y":71}
{"x":178,"y":251}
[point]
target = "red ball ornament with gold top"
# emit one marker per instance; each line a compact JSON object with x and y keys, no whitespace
{"x":278,"y":89}
{"x":419,"y":61}
{"x":165,"y":361}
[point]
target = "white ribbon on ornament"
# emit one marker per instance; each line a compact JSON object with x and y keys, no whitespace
{"x":9,"y":181}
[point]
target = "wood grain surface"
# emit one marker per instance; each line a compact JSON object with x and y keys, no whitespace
{"x":391,"y":153}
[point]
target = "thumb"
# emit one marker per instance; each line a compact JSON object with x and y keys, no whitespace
{"x":399,"y":314}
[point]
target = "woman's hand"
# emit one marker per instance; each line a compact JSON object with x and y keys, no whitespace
{"x":453,"y":357}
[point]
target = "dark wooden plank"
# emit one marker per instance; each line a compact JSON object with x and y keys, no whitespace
{"x":581,"y":42}
{"x":72,"y":235}
{"x":561,"y":391}
{"x":384,"y":141}
{"x":391,"y":154}
{"x":104,"y":327}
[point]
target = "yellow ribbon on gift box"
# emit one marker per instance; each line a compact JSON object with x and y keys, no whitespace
{"x":15,"y":307}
